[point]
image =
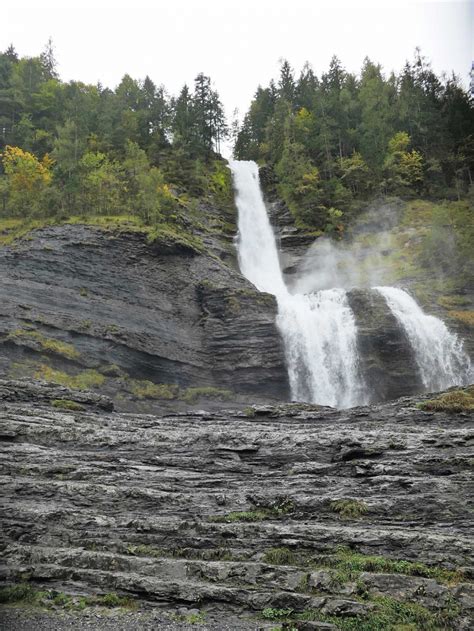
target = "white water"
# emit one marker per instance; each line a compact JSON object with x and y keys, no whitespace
{"x":318,"y":329}
{"x":439,"y":353}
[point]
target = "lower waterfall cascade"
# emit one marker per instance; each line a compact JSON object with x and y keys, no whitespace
{"x":319,"y":330}
{"x":438,"y":352}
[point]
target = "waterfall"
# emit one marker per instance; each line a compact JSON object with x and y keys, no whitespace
{"x":439,"y":353}
{"x":318,"y":329}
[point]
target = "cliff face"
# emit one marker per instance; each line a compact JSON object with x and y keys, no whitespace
{"x":387,"y":360}
{"x":167,"y":325}
{"x":76,"y":298}
{"x":233,"y":512}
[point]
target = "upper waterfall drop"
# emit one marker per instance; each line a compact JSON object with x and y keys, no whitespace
{"x":318,"y":330}
{"x":439,"y":353}
{"x":258,"y":254}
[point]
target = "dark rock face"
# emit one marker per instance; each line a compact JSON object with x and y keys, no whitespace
{"x":152,"y":506}
{"x":291,"y":240}
{"x":387,"y":361}
{"x":139,"y":307}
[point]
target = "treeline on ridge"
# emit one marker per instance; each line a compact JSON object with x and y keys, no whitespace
{"x":75,"y":149}
{"x":333,"y":141}
{"x":330,"y":143}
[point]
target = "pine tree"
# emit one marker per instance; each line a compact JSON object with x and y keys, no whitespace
{"x":48,"y":60}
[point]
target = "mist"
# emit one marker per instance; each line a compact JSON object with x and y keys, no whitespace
{"x":362,"y":259}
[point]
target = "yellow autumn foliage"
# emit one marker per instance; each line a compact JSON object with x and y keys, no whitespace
{"x":24,"y":171}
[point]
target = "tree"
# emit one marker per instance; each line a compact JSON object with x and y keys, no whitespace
{"x":48,"y":60}
{"x":403,"y":169}
{"x":355,"y":173}
{"x":27,"y":179}
{"x":300,"y":185}
{"x":208,"y":117}
{"x":100,"y":185}
{"x":183,"y":118}
{"x":286,"y":84}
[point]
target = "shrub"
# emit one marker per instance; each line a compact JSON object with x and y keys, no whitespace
{"x":349,"y":509}
{"x":144,"y":389}
{"x":66,"y":404}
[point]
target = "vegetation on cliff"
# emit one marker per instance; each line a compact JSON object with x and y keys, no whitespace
{"x":336,"y":140}
{"x":77,"y":150}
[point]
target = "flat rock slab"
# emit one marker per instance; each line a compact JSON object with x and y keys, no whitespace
{"x":187,"y":509}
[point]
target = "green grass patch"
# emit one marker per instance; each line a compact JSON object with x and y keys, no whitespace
{"x":13,"y":229}
{"x":46,"y":344}
{"x":166,"y":234}
{"x":348,"y":565}
{"x":84,"y":380}
{"x":170,"y":237}
{"x":191,"y":618}
{"x":66,"y":404}
{"x":271,"y":613}
{"x":26,"y":593}
{"x":452,"y":402}
{"x":388,"y":614}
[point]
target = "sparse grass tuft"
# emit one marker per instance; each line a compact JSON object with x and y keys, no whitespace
{"x":276,"y":510}
{"x":82,"y":381}
{"x":46,"y":344}
{"x":250,"y":412}
{"x":66,"y":404}
{"x":349,"y":508}
{"x":113,"y":600}
{"x":23,"y":592}
{"x":280,"y":556}
{"x":466,"y":317}
{"x":144,"y":389}
{"x":451,"y":402}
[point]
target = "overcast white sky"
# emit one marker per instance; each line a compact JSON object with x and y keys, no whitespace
{"x":239,"y":43}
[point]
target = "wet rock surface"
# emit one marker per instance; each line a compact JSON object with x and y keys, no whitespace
{"x":233,"y":513}
{"x":129,"y":308}
{"x":387,"y":361}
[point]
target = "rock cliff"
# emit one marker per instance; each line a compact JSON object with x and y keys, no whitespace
{"x":76,"y":298}
{"x":325,"y":517}
{"x":160,"y":325}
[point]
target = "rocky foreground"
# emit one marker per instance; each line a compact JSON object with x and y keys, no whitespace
{"x":291,"y":516}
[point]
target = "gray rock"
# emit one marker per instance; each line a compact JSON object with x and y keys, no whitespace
{"x":99,"y":502}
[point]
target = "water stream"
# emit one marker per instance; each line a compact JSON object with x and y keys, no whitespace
{"x":438,"y":352}
{"x":318,"y":329}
